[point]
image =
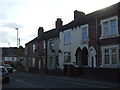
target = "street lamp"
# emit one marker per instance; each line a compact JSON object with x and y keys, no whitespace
{"x":17,"y":36}
{"x":9,"y":44}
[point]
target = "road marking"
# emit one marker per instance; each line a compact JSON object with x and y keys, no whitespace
{"x":26,"y":75}
{"x":84,"y":84}
{"x":27,"y":83}
{"x":70,"y":81}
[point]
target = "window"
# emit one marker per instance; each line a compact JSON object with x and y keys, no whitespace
{"x":84,"y":32}
{"x":107,"y":60}
{"x":109,"y":27}
{"x":57,"y":61}
{"x":105,"y":28}
{"x":110,"y":55}
{"x":113,"y":27}
{"x":51,"y":44}
{"x":67,"y":37}
{"x":33,"y":47}
{"x":44,"y":44}
{"x":67,"y":57}
{"x":114,"y":55}
{"x":33,"y":62}
{"x":51,"y":62}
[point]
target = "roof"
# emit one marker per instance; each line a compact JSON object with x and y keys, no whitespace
{"x":46,"y":35}
{"x":93,"y":15}
{"x":75,"y":23}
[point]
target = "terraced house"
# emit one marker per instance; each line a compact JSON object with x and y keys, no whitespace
{"x":92,"y":43}
{"x":88,"y":46}
{"x":42,"y":52}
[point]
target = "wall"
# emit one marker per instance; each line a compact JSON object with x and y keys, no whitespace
{"x":76,"y":38}
{"x":52,"y":54}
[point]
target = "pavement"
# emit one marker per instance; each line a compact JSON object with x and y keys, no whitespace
{"x":82,"y":80}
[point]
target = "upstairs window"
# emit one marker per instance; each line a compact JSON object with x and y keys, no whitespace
{"x":109,"y":27}
{"x":67,"y":37}
{"x":43,"y":44}
{"x":105,"y":28}
{"x":34,"y":47}
{"x":84,"y":32}
{"x":51,"y":44}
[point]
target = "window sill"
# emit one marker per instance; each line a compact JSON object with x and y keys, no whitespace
{"x":109,"y":66}
{"x":107,"y":37}
{"x":84,"y":42}
{"x":68,"y":44}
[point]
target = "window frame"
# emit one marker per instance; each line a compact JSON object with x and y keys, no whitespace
{"x":34,"y":47}
{"x":109,"y":27}
{"x":67,"y":37}
{"x":110,"y":55}
{"x":85,"y":26}
{"x":50,"y":44}
{"x":67,"y":56}
{"x":43,"y":44}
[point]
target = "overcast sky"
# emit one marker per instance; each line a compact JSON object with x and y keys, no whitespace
{"x":29,"y":15}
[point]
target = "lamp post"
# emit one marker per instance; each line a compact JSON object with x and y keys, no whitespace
{"x":17,"y":50}
{"x":9,"y":44}
{"x":17,"y":36}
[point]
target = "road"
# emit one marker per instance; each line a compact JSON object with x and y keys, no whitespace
{"x":31,"y":80}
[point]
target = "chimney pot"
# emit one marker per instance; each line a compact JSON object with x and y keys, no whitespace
{"x":59,"y":23}
{"x":78,"y":14}
{"x":40,"y":31}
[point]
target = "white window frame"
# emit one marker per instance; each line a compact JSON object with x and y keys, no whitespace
{"x":110,"y":56}
{"x":34,"y":47}
{"x":109,"y":27}
{"x":83,"y":26}
{"x":66,"y":32}
{"x":67,"y":55}
{"x":44,"y":44}
{"x":33,"y":62}
{"x":51,"y":44}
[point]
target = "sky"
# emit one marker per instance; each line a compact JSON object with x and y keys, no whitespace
{"x":29,"y":15}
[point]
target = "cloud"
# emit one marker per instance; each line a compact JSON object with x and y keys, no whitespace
{"x":9,"y":9}
{"x":6,"y":37}
{"x":11,"y":25}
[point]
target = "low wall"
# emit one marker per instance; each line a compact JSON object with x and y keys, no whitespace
{"x":56,"y":72}
{"x":107,"y":74}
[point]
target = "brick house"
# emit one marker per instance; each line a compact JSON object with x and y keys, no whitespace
{"x":43,"y":51}
{"x":92,"y":42}
{"x":13,"y":55}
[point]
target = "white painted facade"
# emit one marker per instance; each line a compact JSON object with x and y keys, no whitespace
{"x":52,"y":56}
{"x":76,"y":42}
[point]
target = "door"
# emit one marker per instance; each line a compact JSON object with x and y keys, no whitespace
{"x":92,"y":58}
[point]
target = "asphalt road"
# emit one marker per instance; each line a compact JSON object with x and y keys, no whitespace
{"x":30,"y":80}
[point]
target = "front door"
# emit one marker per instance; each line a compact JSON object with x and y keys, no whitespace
{"x":92,"y":61}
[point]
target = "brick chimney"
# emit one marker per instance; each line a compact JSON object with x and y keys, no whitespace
{"x":40,"y":31}
{"x":58,"y":23}
{"x":78,"y":14}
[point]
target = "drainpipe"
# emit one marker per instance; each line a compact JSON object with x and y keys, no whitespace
{"x":46,"y":69}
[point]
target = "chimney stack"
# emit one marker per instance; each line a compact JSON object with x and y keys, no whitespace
{"x":78,"y":14}
{"x":59,"y":23}
{"x":40,"y":31}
